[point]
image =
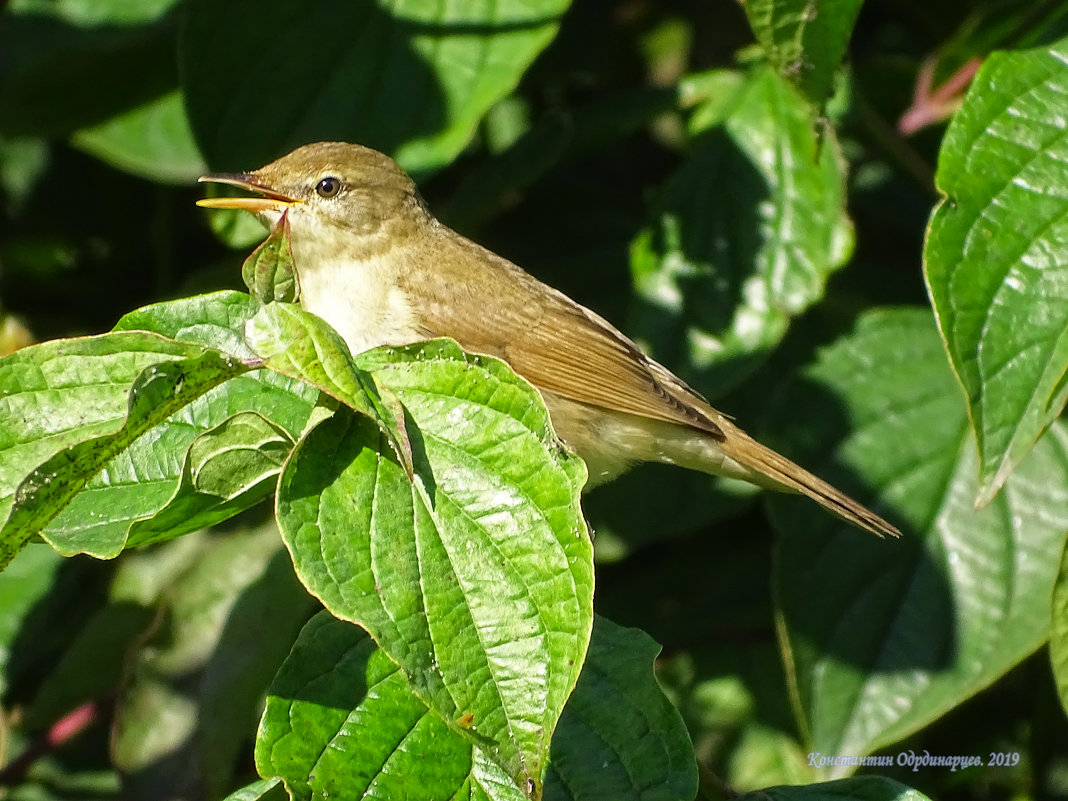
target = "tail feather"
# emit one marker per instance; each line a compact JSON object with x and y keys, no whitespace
{"x":743,"y":449}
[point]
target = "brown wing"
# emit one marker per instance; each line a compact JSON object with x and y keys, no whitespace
{"x":562,"y":347}
{"x":547,"y":338}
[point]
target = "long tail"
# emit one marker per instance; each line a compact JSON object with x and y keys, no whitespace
{"x":745,"y":450}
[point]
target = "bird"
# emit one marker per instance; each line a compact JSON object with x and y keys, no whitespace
{"x":375,"y":263}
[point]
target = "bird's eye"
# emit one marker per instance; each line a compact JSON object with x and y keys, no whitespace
{"x":328,"y":187}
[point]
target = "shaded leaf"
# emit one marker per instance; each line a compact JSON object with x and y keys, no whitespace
{"x":620,"y":737}
{"x":1058,"y":642}
{"x":566,"y":133}
{"x":883,"y":637}
{"x":411,"y":79}
{"x":225,"y":619}
{"x":341,"y":721}
{"x":27,"y":579}
{"x":68,"y":66}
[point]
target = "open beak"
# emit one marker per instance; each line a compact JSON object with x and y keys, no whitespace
{"x":269,"y":200}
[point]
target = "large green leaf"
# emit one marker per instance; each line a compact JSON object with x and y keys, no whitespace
{"x":996,"y":259}
{"x":71,"y":406}
{"x":96,"y":429}
{"x":475,"y":573}
{"x":749,"y":230}
{"x":341,"y":721}
{"x":86,"y":497}
{"x":804,"y":40}
{"x":883,"y":637}
{"x":409,"y":77}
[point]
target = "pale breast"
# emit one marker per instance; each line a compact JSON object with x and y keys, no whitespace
{"x":359,"y":300}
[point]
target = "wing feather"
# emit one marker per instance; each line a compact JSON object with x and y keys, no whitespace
{"x":550,"y":340}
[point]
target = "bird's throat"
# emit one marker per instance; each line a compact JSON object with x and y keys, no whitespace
{"x":351,"y":281}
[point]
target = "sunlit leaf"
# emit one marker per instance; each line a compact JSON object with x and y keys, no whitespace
{"x":748,"y":231}
{"x":996,"y":258}
{"x":475,"y":575}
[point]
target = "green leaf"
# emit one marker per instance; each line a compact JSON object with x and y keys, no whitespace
{"x":995,"y":257}
{"x":476,"y":574}
{"x":882,"y":637}
{"x":296,"y":343}
{"x":66,"y":408}
{"x":68,"y":66}
{"x":146,"y":477}
{"x":722,"y":272}
{"x":412,"y":78}
{"x":59,"y":495}
{"x":152,"y":141}
{"x":804,"y":41}
{"x":70,"y":406}
{"x":862,"y":788}
{"x":228,"y":468}
{"x":255,"y":423}
{"x":341,"y":721}
{"x":269,"y":273}
{"x":215,"y":320}
{"x":620,"y":737}
{"x":59,"y":393}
